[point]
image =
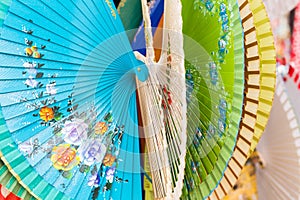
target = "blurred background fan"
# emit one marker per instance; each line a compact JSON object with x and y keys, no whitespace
{"x":279,"y":148}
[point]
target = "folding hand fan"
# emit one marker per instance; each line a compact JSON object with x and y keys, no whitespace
{"x":10,"y":185}
{"x":295,"y":54}
{"x":5,"y":194}
{"x":259,"y":89}
{"x":215,"y":85}
{"x":164,"y":119}
{"x":277,"y":8}
{"x":131,"y":15}
{"x":279,"y":148}
{"x":69,"y":113}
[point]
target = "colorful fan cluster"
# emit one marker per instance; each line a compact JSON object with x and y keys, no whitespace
{"x":174,"y":115}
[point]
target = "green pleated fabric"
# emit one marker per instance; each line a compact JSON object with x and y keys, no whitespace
{"x":214,"y":55}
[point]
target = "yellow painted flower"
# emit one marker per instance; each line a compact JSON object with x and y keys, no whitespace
{"x":34,"y":48}
{"x":36,"y":54}
{"x":109,"y":160}
{"x":64,"y":157}
{"x":28,"y":51}
{"x":46,"y":113}
{"x":101,"y":128}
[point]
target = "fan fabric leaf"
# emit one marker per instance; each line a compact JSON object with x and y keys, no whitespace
{"x":164,"y":119}
{"x":279,"y":147}
{"x":259,"y":85}
{"x":68,"y":121}
{"x":216,"y":83}
{"x":8,"y":181}
{"x":130,"y":9}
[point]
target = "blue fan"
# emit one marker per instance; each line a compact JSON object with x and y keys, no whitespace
{"x":69,"y":114}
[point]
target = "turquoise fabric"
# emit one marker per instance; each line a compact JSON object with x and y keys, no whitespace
{"x":67,"y":69}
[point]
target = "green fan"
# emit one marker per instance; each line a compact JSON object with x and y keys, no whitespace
{"x":12,"y":184}
{"x":215,"y":74}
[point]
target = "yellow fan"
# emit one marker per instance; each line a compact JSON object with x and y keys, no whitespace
{"x":259,"y":89}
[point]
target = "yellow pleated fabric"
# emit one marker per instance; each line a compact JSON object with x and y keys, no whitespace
{"x":267,"y":66}
{"x":260,"y":76}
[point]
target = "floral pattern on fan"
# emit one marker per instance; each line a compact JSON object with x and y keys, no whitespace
{"x":79,"y":142}
{"x":207,"y":136}
{"x":64,"y":157}
{"x":209,"y":7}
{"x":84,"y":150}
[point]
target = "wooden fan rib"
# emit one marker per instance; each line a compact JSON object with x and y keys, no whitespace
{"x":157,"y":179}
{"x":243,"y":4}
{"x":251,"y":44}
{"x":232,"y":177}
{"x":255,"y":101}
{"x":249,"y":119}
{"x":250,"y":30}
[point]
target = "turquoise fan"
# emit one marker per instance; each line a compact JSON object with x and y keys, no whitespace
{"x":69,"y":104}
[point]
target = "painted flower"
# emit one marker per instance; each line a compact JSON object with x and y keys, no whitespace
{"x":28,"y":51}
{"x":109,"y":175}
{"x":101,"y":128}
{"x":94,"y":180}
{"x":166,"y":96}
{"x":30,"y":82}
{"x":36,"y":54}
{"x":64,"y":157}
{"x":46,"y":113}
{"x":26,"y":147}
{"x":50,"y":89}
{"x":29,"y":65}
{"x":109,"y":160}
{"x":75,"y":131}
{"x":30,"y":68}
{"x":92,"y":152}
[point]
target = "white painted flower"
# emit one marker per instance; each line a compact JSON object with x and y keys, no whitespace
{"x":50,"y":89}
{"x":26,"y":147}
{"x":30,"y":67}
{"x":75,"y":131}
{"x":31,"y":82}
